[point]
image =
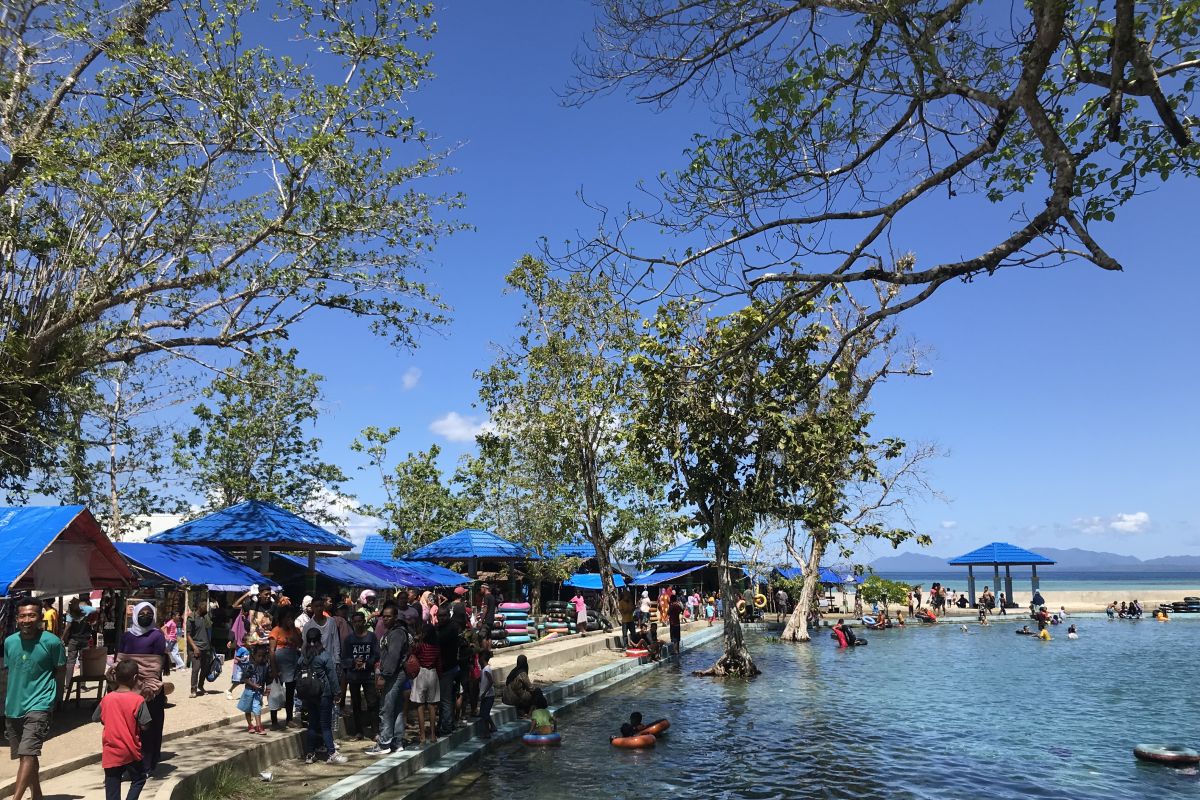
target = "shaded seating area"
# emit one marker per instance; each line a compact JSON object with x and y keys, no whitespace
{"x":996,"y":555}
{"x":477,"y":548}
{"x":193,"y":564}
{"x":684,"y":560}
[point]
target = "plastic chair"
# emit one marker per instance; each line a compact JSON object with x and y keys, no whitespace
{"x":93,"y":663}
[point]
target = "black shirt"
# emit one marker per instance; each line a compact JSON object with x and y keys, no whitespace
{"x":489,"y":609}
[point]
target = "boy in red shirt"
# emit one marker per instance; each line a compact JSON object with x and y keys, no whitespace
{"x":124,"y":714}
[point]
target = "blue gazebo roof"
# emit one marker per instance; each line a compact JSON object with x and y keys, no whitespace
{"x":999,"y":553}
{"x":692,"y":553}
{"x":469,"y":543}
{"x":377,"y":548}
{"x":253,"y":523}
{"x":52,"y":550}
{"x":200,"y":566}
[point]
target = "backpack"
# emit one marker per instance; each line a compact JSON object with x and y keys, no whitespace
{"x":309,"y":683}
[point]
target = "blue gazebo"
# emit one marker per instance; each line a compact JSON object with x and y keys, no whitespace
{"x":995,"y":555}
{"x":472,"y":546}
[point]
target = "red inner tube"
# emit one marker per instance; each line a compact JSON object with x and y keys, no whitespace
{"x":636,"y":652}
{"x":657,"y":728}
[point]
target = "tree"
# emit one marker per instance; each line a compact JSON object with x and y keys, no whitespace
{"x":418,"y":507}
{"x":859,"y":482}
{"x":190,"y":175}
{"x":883,"y":591}
{"x":251,"y":443}
{"x":559,"y":397}
{"x":839,"y":122}
{"x":733,"y":442}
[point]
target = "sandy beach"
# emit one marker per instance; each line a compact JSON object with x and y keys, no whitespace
{"x":1097,"y":600}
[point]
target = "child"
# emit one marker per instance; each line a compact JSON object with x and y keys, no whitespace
{"x":487,"y":693}
{"x":241,"y":660}
{"x":634,"y":726}
{"x":541,"y":721}
{"x":124,"y":714}
{"x":255,"y":676}
{"x":652,"y":642}
{"x":710,"y":612}
{"x":170,"y":631}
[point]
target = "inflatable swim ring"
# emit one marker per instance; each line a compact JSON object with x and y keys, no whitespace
{"x":1172,"y":754}
{"x":514,"y":606}
{"x":741,"y":606}
{"x":518,"y":639}
{"x":542,"y":739}
{"x":657,"y":728}
{"x":868,"y":620}
{"x":760,"y":600}
{"x":636,"y":652}
{"x":639,"y":742}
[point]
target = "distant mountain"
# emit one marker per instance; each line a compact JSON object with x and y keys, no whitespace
{"x":1074,"y":559}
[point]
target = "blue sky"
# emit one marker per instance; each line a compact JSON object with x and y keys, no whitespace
{"x":1064,"y":399}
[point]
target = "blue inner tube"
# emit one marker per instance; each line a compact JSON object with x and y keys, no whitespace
{"x":542,"y":739}
{"x":517,"y":639}
{"x":868,"y":620}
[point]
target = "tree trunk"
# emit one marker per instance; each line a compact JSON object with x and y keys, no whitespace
{"x":535,"y":596}
{"x":797,"y":625}
{"x":736,"y":660}
{"x":608,"y":588}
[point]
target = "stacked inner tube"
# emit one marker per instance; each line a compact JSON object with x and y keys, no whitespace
{"x":517,"y":625}
{"x":559,"y":619}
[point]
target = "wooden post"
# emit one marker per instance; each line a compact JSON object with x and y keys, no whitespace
{"x":312,"y":573}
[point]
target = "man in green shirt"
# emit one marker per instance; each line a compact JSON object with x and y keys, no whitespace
{"x":34,"y":658}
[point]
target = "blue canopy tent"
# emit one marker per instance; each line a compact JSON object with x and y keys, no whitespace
{"x":692,"y":553}
{"x":591,"y":580}
{"x":377,"y":548}
{"x":50,"y":551}
{"x":995,"y":555}
{"x":657,"y":577}
{"x":198,"y":566}
{"x":339,"y":571}
{"x":255,"y":524}
{"x":472,"y":546}
{"x":788,"y":573}
{"x":412,"y":574}
{"x":584,"y":550}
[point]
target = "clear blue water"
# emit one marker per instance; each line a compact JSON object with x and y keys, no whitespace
{"x":1052,"y":580}
{"x":924,"y":712}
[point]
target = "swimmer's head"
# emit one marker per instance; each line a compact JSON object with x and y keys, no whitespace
{"x":636,"y":718}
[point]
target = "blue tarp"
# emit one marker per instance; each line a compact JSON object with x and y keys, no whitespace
{"x":1001,"y":553}
{"x":253,"y":523}
{"x":339,"y":570}
{"x":200,"y":566}
{"x":790,"y":572}
{"x":414,"y":574}
{"x":692,"y":553}
{"x":469,"y":543}
{"x":654,"y":577}
{"x":584,"y":550}
{"x":591,"y":580}
{"x":377,"y":548}
{"x":830,"y":575}
{"x":57,"y":550}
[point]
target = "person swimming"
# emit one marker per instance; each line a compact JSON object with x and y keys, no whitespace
{"x":541,"y":721}
{"x":634,"y":726}
{"x":1024,"y":631}
{"x":1072,"y":633}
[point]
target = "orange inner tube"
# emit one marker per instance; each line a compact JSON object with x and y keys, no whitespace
{"x":636,"y":652}
{"x":642,"y":740}
{"x":657,"y":728}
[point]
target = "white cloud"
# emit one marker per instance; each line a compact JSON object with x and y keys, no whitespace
{"x":1136,"y":522}
{"x":457,"y":428}
{"x":410,"y":378}
{"x":1131,"y":523}
{"x":949,"y":524}
{"x":356,"y":527}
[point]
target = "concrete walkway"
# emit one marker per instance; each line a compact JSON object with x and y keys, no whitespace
{"x":75,"y":740}
{"x":205,"y":730}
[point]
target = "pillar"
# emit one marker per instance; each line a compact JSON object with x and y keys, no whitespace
{"x":996,"y":580}
{"x":1008,"y":598}
{"x":311,"y":578}
{"x":472,"y":568}
{"x":971,"y":585}
{"x":264,"y":563}
{"x":1034,"y":580}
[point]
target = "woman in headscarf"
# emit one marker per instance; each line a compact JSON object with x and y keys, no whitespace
{"x":144,"y":644}
{"x":305,"y":613}
{"x":518,"y":689}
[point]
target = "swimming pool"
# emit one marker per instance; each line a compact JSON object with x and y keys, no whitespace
{"x":924,"y":712}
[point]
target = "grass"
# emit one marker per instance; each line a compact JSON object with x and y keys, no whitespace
{"x":228,"y":784}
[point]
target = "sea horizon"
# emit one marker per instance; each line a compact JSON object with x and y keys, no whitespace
{"x":1060,"y":580}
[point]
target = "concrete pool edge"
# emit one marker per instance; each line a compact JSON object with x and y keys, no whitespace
{"x":415,"y":772}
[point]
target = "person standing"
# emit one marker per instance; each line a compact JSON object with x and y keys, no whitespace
{"x":35,"y":659}
{"x":316,"y":665}
{"x":285,"y":643}
{"x":199,"y":644}
{"x":453,"y":618}
{"x":360,"y":657}
{"x":581,"y":617}
{"x":124,"y":715}
{"x":146,"y":646}
{"x":76,"y":636}
{"x":50,"y":617}
{"x":644,"y":608}
{"x":489,"y":614}
{"x":781,"y":603}
{"x":392,"y":682}
{"x":625,"y":608}
{"x":1003,"y":605}
{"x":674,"y":613}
